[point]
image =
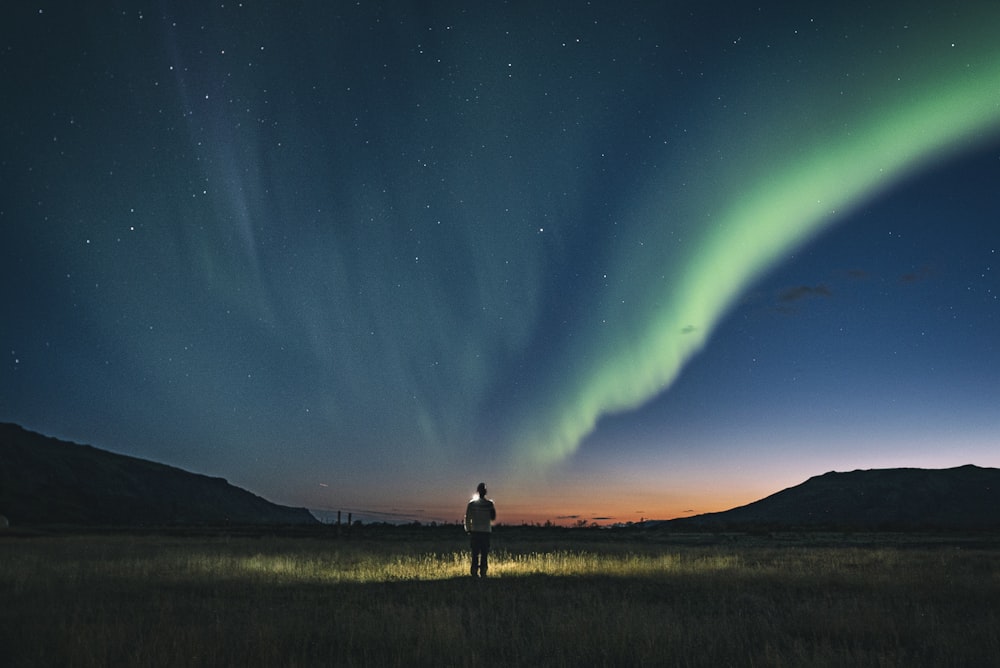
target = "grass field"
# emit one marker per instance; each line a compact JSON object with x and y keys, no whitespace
{"x":556,"y":598}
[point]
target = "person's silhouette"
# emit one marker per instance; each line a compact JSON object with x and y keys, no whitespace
{"x":479,"y":516}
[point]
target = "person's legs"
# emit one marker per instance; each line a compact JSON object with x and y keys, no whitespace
{"x":485,"y":555}
{"x":474,"y":544}
{"x":480,"y":550}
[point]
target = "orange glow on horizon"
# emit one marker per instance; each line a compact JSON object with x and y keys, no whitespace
{"x":590,"y":510}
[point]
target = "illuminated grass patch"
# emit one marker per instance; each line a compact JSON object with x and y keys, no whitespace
{"x":562,"y":601}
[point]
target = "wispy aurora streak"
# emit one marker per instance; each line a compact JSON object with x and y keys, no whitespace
{"x":780,"y":193}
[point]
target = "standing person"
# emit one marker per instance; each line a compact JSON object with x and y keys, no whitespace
{"x":479,"y":516}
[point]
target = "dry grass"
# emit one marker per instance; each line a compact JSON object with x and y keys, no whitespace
{"x":169,"y":601}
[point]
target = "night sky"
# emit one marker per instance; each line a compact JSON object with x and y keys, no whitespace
{"x":618,"y":260}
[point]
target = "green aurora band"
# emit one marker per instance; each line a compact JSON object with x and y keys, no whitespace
{"x":770,"y":195}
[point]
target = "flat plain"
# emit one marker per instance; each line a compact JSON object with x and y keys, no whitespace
{"x":402,"y":596}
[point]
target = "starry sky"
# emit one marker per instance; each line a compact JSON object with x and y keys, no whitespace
{"x":618,"y":260}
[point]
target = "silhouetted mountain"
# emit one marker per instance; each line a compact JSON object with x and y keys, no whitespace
{"x":963,"y":498}
{"x":47,"y":481}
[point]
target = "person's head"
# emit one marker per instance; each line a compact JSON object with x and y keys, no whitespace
{"x":481,"y":490}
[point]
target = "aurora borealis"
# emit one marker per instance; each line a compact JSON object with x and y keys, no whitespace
{"x":617,"y":262}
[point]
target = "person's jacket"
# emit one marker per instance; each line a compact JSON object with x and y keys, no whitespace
{"x":479,"y":515}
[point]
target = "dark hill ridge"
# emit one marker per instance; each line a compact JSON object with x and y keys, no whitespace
{"x":47,"y":481}
{"x":962,"y":498}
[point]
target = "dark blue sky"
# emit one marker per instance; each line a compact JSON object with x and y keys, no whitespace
{"x":620,"y":262}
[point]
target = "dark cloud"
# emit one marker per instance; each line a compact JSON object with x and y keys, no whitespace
{"x":916,"y":276}
{"x":804,"y":292}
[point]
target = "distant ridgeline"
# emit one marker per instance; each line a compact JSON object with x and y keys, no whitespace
{"x":47,"y":481}
{"x":966,"y":498}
